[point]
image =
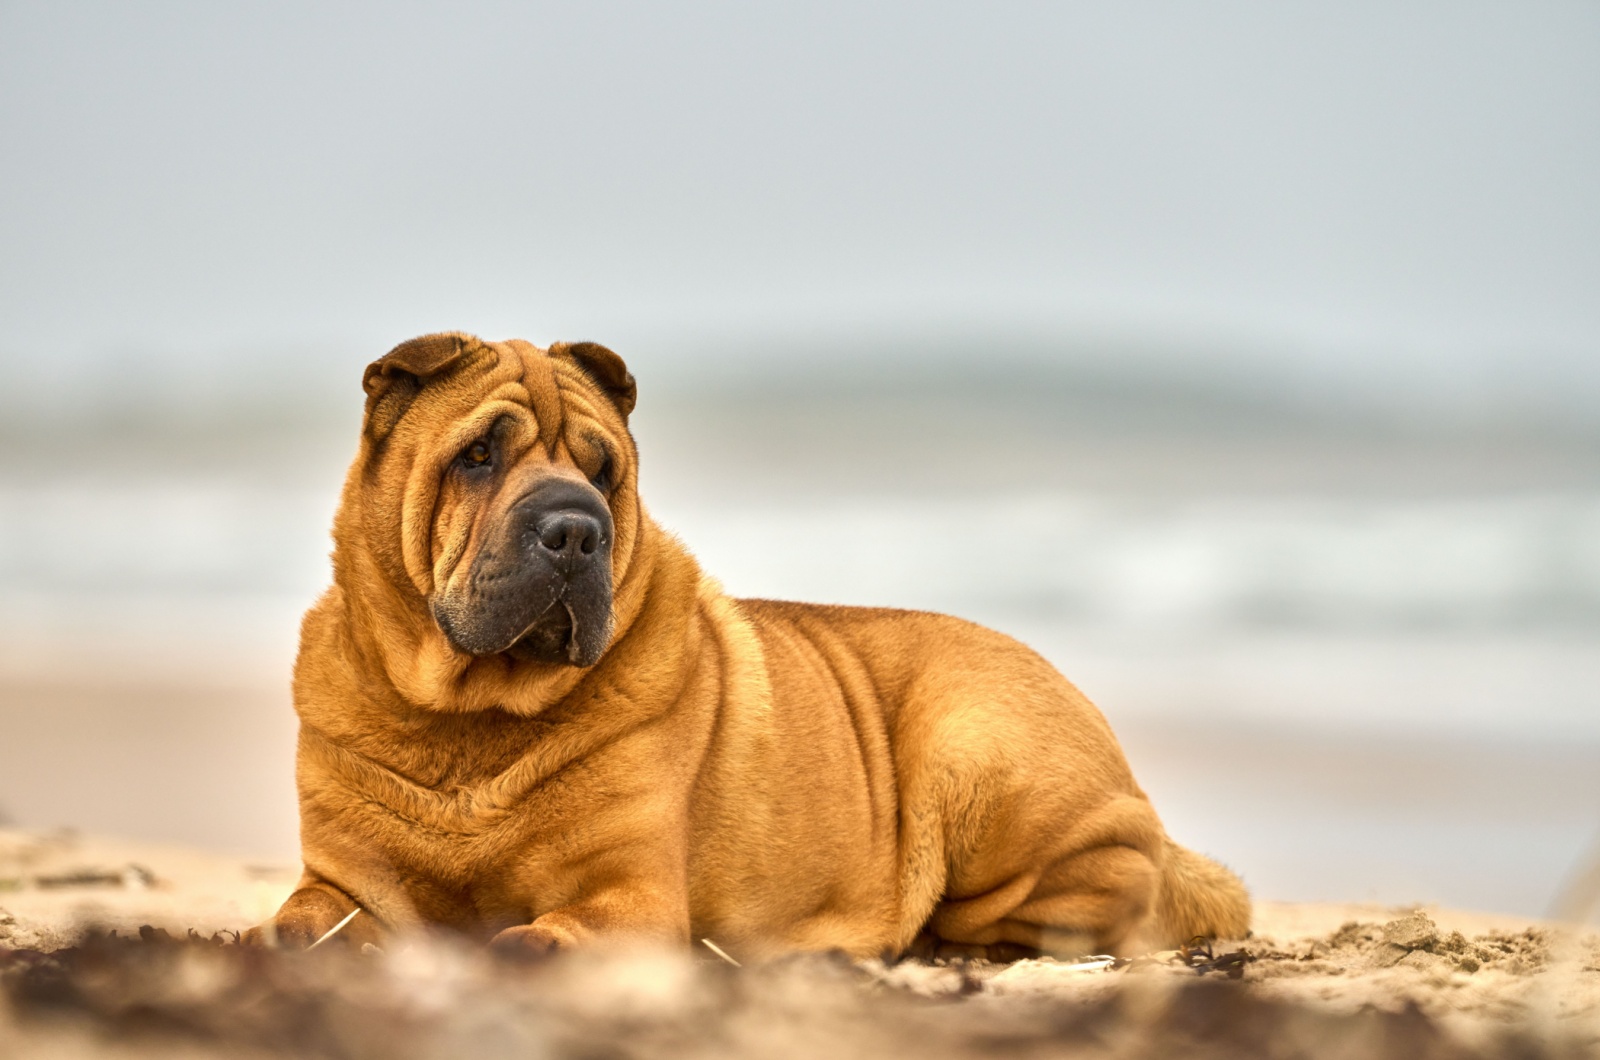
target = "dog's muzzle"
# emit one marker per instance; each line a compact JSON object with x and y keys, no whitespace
{"x":540,"y":586}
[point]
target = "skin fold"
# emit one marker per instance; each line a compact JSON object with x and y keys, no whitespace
{"x":528,"y":716}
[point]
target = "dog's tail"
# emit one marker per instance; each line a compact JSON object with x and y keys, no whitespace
{"x":1199,"y":897}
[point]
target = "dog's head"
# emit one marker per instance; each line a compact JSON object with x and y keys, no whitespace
{"x":497,"y":482}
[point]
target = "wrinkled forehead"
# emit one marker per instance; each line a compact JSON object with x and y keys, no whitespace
{"x":536,"y":374}
{"x":549,"y":395}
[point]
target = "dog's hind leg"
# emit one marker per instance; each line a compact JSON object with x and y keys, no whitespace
{"x":1094,"y":889}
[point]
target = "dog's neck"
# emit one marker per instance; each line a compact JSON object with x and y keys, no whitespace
{"x":491,"y":733}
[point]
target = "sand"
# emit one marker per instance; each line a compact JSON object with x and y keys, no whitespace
{"x":1312,"y":979}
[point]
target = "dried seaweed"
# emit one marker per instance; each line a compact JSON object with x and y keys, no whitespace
{"x":1197,"y":954}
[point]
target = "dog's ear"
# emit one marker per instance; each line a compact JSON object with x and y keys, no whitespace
{"x":393,"y":381}
{"x":605,"y":368}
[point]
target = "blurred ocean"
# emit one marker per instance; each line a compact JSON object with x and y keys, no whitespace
{"x":1351,"y":654}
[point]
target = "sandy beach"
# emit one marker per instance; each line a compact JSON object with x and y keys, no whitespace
{"x":1332,"y":979}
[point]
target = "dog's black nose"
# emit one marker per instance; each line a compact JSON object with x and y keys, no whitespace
{"x":570,"y":536}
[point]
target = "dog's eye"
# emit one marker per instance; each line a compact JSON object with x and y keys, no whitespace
{"x":602,"y":478}
{"x":476,"y":454}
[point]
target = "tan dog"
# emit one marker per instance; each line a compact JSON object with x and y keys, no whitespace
{"x":526,"y":714}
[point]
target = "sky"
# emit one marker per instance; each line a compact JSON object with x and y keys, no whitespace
{"x":1362,"y":184}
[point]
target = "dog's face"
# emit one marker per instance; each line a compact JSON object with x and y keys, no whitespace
{"x":498,"y":482}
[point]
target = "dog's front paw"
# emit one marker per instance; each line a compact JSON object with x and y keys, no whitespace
{"x":535,"y":940}
{"x":312,"y":914}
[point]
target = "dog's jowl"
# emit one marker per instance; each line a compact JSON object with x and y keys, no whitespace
{"x":526,"y":714}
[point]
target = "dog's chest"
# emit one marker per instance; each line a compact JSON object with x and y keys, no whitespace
{"x":469,"y":825}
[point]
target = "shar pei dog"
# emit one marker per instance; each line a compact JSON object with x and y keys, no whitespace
{"x":527,"y":715}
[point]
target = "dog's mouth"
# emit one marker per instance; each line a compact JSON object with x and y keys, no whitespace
{"x":553,"y":636}
{"x":572,"y":629}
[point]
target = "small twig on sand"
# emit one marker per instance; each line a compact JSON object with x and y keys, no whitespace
{"x":714,"y":948}
{"x":335,"y":929}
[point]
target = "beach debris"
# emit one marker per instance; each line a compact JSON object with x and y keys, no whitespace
{"x":1198,"y":954}
{"x":720,"y":952}
{"x":340,"y":926}
{"x":1154,"y":959}
{"x":131,"y":876}
{"x":187,"y":996}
